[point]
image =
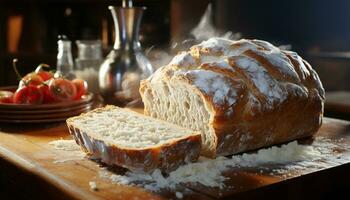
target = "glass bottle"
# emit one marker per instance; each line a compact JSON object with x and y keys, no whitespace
{"x":88,"y":62}
{"x":126,"y":64}
{"x":65,"y":65}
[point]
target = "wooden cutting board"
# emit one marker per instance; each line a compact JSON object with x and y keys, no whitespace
{"x":29,"y":166}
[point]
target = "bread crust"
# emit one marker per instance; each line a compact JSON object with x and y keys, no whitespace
{"x":290,"y":108}
{"x":166,"y":157}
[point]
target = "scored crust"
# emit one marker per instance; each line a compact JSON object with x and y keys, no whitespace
{"x":255,"y":93}
{"x":165,"y":157}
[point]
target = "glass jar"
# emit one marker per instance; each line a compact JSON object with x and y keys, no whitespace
{"x":88,"y":62}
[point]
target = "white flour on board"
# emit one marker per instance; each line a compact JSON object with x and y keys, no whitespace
{"x":71,"y":150}
{"x":288,"y":158}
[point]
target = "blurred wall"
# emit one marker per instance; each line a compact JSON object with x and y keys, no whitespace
{"x":306,"y":24}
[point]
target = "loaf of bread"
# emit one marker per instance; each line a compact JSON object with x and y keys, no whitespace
{"x":125,"y":138}
{"x":241,"y":95}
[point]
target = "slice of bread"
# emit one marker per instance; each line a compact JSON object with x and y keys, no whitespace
{"x":122,"y":137}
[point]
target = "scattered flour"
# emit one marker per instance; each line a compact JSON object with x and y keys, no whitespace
{"x":179,"y":195}
{"x":72,"y":150}
{"x":288,"y":153}
{"x":67,"y":145}
{"x":286,"y":159}
{"x":93,"y":185}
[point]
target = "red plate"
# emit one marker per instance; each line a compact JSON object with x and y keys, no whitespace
{"x":44,"y":111}
{"x":24,"y":113}
{"x":47,"y":115}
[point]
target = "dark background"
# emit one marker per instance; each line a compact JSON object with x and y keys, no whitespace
{"x":317,"y":29}
{"x":321,"y":25}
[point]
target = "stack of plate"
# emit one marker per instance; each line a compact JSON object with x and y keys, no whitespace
{"x":22,"y":113}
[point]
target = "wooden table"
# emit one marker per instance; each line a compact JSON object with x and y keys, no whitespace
{"x":27,"y":170}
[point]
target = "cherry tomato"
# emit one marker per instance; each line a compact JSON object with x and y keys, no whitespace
{"x":31,"y":79}
{"x":28,"y":95}
{"x":47,"y":97}
{"x":6,"y":97}
{"x":62,"y":89}
{"x":81,"y":86}
{"x":45,"y":75}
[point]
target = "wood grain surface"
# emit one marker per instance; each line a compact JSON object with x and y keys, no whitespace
{"x":27,"y":162}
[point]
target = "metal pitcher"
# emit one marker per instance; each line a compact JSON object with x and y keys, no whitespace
{"x":126,"y":64}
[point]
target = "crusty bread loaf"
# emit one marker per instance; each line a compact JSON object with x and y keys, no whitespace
{"x":241,"y":95}
{"x":140,"y":143}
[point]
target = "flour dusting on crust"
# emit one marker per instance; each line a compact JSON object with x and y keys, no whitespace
{"x":184,"y":59}
{"x":214,"y":54}
{"x":215,"y":85}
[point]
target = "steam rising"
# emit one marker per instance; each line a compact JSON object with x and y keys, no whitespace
{"x":204,"y":30}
